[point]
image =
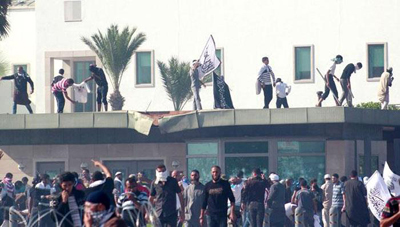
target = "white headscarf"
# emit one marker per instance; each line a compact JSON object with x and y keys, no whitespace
{"x":161,"y":176}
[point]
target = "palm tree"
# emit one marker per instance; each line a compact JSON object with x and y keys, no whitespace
{"x":176,"y":81}
{"x":4,"y":25}
{"x":115,"y":50}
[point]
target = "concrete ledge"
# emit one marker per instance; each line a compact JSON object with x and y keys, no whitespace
{"x":293,"y":115}
{"x":12,"y":121}
{"x":252,"y":117}
{"x":216,"y":118}
{"x":111,"y":120}
{"x":179,"y":123}
{"x":325,"y":115}
{"x":77,"y":120}
{"x":41,"y":121}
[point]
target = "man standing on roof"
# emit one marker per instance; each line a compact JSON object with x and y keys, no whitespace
{"x":346,"y":85}
{"x":196,"y":85}
{"x":59,"y":90}
{"x":330,"y":83}
{"x":102,"y":86}
{"x":266,"y":79}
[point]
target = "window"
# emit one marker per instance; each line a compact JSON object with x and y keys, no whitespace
{"x":301,"y":159}
{"x":220,"y":70}
{"x":24,"y":66}
{"x":144,"y":68}
{"x":72,"y":11}
{"x":374,"y":164}
{"x":303,"y":63}
{"x":245,"y":156}
{"x":202,"y":156}
{"x":377,"y":61}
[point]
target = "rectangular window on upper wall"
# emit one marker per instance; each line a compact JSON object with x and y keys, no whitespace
{"x":304,"y":64}
{"x":24,"y":66}
{"x":377,"y":59}
{"x":220,"y":70}
{"x":72,"y":11}
{"x":144,"y":68}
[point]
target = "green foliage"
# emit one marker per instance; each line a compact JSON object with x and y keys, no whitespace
{"x":116,"y":100}
{"x":3,"y":65}
{"x":4,"y":25}
{"x":115,"y":50}
{"x":176,"y":81}
{"x":374,"y":105}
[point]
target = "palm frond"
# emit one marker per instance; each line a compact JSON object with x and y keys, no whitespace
{"x":4,"y":24}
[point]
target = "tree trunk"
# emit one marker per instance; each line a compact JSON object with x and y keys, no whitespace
{"x":116,"y":100}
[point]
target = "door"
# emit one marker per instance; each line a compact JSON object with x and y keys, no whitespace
{"x":81,"y":72}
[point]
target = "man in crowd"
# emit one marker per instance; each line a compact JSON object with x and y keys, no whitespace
{"x":276,"y":202}
{"x":237,"y":187}
{"x":318,"y":196}
{"x":196,"y":84}
{"x":131,"y":204}
{"x":282,"y":90}
{"x":266,"y":78}
{"x":305,"y":200}
{"x":59,"y":90}
{"x":86,"y":177}
{"x":384,"y":84}
{"x":217,"y":192}
{"x":330,"y":83}
{"x":118,"y":185}
{"x":99,"y":212}
{"x":182,"y":185}
{"x":101,"y":184}
{"x":355,"y":202}
{"x":69,"y":202}
{"x":193,"y":200}
{"x":143,"y":180}
{"x":7,"y":197}
{"x":345,"y":83}
{"x":327,"y":190}
{"x":163,"y":196}
{"x":288,"y":190}
{"x":337,"y":199}
{"x":102,"y":86}
{"x":391,"y":213}
{"x":21,"y":79}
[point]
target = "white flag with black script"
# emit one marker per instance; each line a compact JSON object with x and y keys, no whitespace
{"x":208,"y":59}
{"x":377,"y":194}
{"x":392,"y":180}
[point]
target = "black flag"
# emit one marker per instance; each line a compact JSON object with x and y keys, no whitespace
{"x":222,"y":96}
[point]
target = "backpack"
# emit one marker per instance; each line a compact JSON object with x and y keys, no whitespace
{"x":56,"y":79}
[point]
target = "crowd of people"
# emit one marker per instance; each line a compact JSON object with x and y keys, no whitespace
{"x":170,"y":200}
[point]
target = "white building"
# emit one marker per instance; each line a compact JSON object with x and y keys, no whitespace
{"x":244,"y":31}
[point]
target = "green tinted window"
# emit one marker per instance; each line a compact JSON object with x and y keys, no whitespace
{"x":301,"y":147}
{"x":302,"y":63}
{"x":15,"y":68}
{"x":202,"y":148}
{"x":374,"y":164}
{"x":143,"y":67}
{"x":203,"y":165}
{"x":246,"y":147}
{"x":376,"y":60}
{"x":308,"y":167}
{"x":246,"y":164}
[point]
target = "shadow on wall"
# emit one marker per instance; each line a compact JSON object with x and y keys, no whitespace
{"x":6,"y":99}
{"x":16,"y":163}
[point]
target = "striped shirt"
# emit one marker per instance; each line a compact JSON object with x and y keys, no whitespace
{"x":265,"y":74}
{"x":337,"y":195}
{"x":60,"y":86}
{"x":73,"y":207}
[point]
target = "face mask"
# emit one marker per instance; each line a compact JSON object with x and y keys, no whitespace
{"x":161,"y":176}
{"x":97,"y":217}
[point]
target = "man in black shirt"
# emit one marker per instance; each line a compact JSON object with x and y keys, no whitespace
{"x":345,"y":83}
{"x":102,"y":86}
{"x":276,"y":202}
{"x":21,"y":78}
{"x":217,"y":192}
{"x":163,"y":196}
{"x":253,"y":198}
{"x":101,"y":184}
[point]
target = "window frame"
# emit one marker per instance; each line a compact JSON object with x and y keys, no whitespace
{"x":312,"y":65}
{"x":385,"y":60}
{"x":28,"y":67}
{"x":65,"y":13}
{"x":152,"y":76}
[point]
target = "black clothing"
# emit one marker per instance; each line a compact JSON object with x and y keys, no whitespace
{"x":280,"y":102}
{"x":216,"y":197}
{"x":102,"y":94}
{"x":356,"y":204}
{"x":63,"y":208}
{"x":347,"y":71}
{"x":276,"y":202}
{"x":256,"y":214}
{"x":107,"y":187}
{"x":20,"y":87}
{"x":288,"y":195}
{"x":165,"y":197}
{"x":56,"y":79}
{"x":332,"y":85}
{"x":267,"y":95}
{"x":169,"y":221}
{"x":60,"y":101}
{"x":99,"y":77}
{"x":217,"y":221}
{"x":254,"y":190}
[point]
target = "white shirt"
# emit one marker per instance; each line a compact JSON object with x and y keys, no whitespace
{"x":282,"y":89}
{"x":81,"y":92}
{"x":332,"y":68}
{"x":41,"y":186}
